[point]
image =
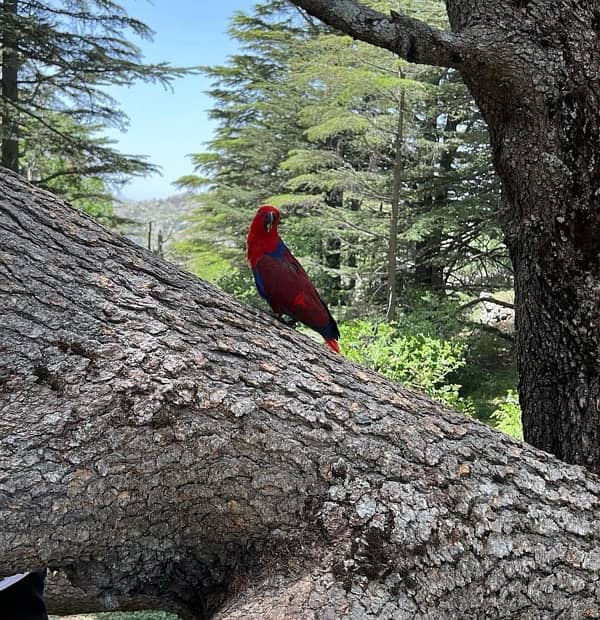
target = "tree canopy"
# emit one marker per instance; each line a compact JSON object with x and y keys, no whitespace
{"x":308,"y":120}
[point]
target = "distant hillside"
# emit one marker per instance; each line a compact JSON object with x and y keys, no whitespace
{"x":161,"y":218}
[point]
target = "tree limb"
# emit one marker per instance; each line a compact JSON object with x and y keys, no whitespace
{"x":490,"y":329}
{"x":162,"y":445}
{"x":487,"y":300}
{"x":410,"y":38}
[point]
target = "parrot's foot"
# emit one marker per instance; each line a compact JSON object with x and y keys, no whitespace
{"x":286,"y":320}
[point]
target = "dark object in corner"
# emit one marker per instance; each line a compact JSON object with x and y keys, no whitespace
{"x":24,"y":600}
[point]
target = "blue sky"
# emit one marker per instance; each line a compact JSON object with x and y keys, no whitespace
{"x":167,"y":125}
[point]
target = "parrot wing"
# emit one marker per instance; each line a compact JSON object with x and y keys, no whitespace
{"x":286,"y":287}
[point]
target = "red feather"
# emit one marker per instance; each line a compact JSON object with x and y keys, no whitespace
{"x":282,"y":281}
{"x":333,"y":345}
{"x":260,"y":241}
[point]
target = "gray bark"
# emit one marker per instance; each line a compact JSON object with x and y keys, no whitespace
{"x":532,"y":67}
{"x":163,"y":446}
{"x":410,"y":38}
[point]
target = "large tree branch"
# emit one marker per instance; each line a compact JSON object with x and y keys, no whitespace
{"x":162,"y":445}
{"x":410,"y":38}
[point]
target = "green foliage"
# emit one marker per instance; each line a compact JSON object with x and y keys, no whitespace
{"x":239,"y":282}
{"x":308,"y":120}
{"x":204,"y":261}
{"x":507,"y":416}
{"x":489,"y":371}
{"x":415,"y":357}
{"x":430,"y":349}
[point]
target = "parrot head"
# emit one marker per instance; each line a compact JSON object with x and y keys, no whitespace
{"x":263,"y":236}
{"x":270,"y":217}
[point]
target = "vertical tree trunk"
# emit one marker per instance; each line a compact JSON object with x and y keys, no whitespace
{"x":545,"y":130}
{"x":392,"y":275}
{"x":429,"y":270}
{"x":9,"y":87}
{"x":332,"y":255}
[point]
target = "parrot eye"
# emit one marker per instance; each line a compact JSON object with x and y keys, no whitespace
{"x":269,"y":220}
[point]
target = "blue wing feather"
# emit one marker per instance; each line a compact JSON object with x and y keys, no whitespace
{"x":260,"y":287}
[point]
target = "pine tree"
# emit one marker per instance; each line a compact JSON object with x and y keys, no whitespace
{"x":351,"y":118}
{"x":57,"y":59}
{"x":314,"y":122}
{"x":256,"y":112}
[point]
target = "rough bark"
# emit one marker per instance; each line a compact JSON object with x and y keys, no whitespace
{"x":410,"y":38}
{"x":163,"y":446}
{"x":532,"y":66}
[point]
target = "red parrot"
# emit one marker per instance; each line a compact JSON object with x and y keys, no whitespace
{"x":282,"y":282}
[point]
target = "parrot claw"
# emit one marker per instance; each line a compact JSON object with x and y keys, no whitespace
{"x":286,"y":321}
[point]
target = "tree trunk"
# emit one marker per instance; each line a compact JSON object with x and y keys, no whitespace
{"x":9,"y":93}
{"x":429,"y":268}
{"x":429,"y":273}
{"x":163,"y":446}
{"x":543,"y":115}
{"x":532,"y":67}
{"x":392,"y":271}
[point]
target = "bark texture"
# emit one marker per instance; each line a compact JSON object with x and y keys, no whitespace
{"x":533,"y":67}
{"x":163,"y":446}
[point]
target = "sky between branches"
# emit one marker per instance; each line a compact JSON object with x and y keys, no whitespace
{"x":167,"y":125}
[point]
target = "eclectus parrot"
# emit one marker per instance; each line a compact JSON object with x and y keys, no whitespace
{"x":282,"y":282}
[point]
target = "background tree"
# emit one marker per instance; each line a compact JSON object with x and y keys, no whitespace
{"x":256,"y":113}
{"x":10,"y":92}
{"x":339,"y":103}
{"x":351,"y":118}
{"x":57,"y":59}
